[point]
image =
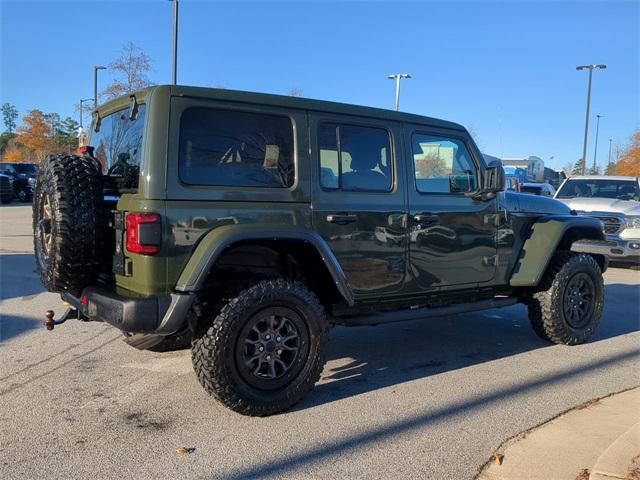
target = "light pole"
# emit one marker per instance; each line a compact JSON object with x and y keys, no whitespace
{"x":397,"y":77}
{"x":174,"y":74}
{"x":586,"y":123}
{"x":95,"y":84}
{"x":82,"y":110}
{"x":609,"y":161}
{"x":595,"y":151}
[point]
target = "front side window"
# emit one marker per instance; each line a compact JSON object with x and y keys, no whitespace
{"x":600,"y":188}
{"x":354,"y":158}
{"x":117,"y":141}
{"x":241,"y":149}
{"x":443,"y":165}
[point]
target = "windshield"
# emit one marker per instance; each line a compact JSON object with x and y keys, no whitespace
{"x":25,"y":168}
{"x":605,"y":188}
{"x":118,"y":145}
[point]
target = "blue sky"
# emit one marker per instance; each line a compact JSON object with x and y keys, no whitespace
{"x":506,"y":70}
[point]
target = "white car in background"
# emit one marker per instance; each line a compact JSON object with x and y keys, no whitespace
{"x":616,"y":202}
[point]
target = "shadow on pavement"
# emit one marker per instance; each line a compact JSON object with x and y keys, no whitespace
{"x":396,"y":353}
{"x":16,"y":325}
{"x":18,"y":277}
{"x":285,"y":465}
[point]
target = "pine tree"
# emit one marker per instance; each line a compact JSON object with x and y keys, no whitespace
{"x":579,"y":167}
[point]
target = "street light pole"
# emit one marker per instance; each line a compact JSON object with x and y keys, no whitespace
{"x":586,"y":123}
{"x":174,"y":75}
{"x":82,"y":110}
{"x":397,"y":77}
{"x":95,"y":84}
{"x":609,"y":161}
{"x":595,"y":152}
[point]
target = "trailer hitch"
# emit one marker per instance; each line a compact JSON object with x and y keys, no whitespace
{"x":70,"y":313}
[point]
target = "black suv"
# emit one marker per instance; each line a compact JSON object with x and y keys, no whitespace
{"x":24,"y":178}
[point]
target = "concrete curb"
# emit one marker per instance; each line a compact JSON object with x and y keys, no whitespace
{"x":614,"y":461}
{"x":562,"y":448}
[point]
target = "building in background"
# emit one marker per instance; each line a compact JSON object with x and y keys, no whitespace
{"x":533,"y":166}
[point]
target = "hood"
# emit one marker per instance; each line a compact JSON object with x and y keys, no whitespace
{"x":526,"y":203}
{"x":627,"y":207}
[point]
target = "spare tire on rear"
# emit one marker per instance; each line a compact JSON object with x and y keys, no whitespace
{"x":68,"y":218}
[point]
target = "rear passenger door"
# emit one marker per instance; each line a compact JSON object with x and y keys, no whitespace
{"x":359,"y":204}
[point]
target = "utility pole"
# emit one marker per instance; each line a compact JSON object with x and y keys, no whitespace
{"x":397,"y":77}
{"x":174,"y":74}
{"x":609,"y":161}
{"x":595,"y":152}
{"x":586,"y":123}
{"x":95,"y":84}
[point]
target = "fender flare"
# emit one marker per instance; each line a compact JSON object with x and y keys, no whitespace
{"x":546,"y":234}
{"x":216,"y":241}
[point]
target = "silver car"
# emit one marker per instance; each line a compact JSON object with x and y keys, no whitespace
{"x":616,"y":202}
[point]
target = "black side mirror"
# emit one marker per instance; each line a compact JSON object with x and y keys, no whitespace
{"x":494,"y":178}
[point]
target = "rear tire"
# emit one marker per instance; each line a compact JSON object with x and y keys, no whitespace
{"x":567,"y":307}
{"x":265,"y":349}
{"x":67,"y":221}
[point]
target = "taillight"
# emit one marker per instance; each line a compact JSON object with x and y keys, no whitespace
{"x":143,"y":233}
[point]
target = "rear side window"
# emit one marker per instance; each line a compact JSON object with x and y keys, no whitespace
{"x":354,"y":158}
{"x":236,"y":149}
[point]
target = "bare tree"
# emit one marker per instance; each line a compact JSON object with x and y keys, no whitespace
{"x":295,"y":92}
{"x":131,"y":70}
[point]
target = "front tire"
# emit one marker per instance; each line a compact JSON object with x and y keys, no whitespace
{"x":568,"y":306}
{"x":265,"y":349}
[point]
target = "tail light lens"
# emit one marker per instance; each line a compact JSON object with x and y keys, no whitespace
{"x":144,"y":233}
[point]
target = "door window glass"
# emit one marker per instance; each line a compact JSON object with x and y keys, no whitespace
{"x":443,"y":165}
{"x":227,"y":148}
{"x":354,"y":158}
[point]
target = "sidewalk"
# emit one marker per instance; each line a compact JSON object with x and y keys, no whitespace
{"x":596,"y":441}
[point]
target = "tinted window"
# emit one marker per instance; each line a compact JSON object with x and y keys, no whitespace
{"x":118,"y":144}
{"x":354,"y":158}
{"x":220,"y":147}
{"x":605,"y":188}
{"x":530,"y":189}
{"x":442,"y":165}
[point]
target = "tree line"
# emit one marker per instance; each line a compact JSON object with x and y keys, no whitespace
{"x":42,"y":133}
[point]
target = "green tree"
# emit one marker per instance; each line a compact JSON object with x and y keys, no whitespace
{"x":594,"y":170}
{"x":4,"y":140}
{"x":610,"y":169}
{"x":579,"y":167}
{"x":9,"y":116}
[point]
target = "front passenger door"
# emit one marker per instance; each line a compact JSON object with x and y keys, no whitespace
{"x":452,"y":236}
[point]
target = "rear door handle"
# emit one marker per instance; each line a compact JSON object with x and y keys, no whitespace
{"x":342,"y":218}
{"x":424,"y":219}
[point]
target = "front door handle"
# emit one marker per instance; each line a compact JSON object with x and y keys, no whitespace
{"x":342,"y":218}
{"x":424,"y":219}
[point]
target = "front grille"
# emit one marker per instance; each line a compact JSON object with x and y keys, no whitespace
{"x":612,"y":223}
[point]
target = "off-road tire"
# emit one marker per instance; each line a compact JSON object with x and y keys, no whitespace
{"x":72,"y":185}
{"x":214,"y":353}
{"x":546,"y":307}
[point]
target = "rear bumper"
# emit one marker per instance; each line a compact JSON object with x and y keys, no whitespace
{"x":617,"y":249}
{"x":161,"y":315}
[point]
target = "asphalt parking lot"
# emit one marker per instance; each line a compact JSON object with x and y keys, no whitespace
{"x":423,"y":399}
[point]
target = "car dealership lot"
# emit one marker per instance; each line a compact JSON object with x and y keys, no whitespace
{"x":423,"y":399}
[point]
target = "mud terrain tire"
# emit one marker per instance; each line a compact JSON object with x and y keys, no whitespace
{"x":567,"y":306}
{"x":220,"y":353}
{"x":68,"y":216}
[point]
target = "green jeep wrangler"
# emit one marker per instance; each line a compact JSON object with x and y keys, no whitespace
{"x":245,"y":225}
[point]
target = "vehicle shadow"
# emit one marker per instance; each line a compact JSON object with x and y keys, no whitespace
{"x":15,"y":325}
{"x":17,"y":276}
{"x":392,"y":354}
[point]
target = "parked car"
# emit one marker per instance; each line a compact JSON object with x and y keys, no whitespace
{"x":616,"y":202}
{"x":24,"y":178}
{"x":301,"y":214}
{"x":6,"y":188}
{"x":512,"y":183}
{"x":544,"y":189}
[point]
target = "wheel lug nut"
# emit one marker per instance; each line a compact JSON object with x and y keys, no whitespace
{"x":279,"y":352}
{"x":260,"y":348}
{"x":268,"y":357}
{"x":267,"y":336}
{"x":278,"y":339}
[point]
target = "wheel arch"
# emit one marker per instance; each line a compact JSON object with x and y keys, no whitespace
{"x":266,"y":244}
{"x":548,"y":235}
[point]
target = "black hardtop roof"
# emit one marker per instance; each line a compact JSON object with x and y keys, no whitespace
{"x":287,"y":101}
